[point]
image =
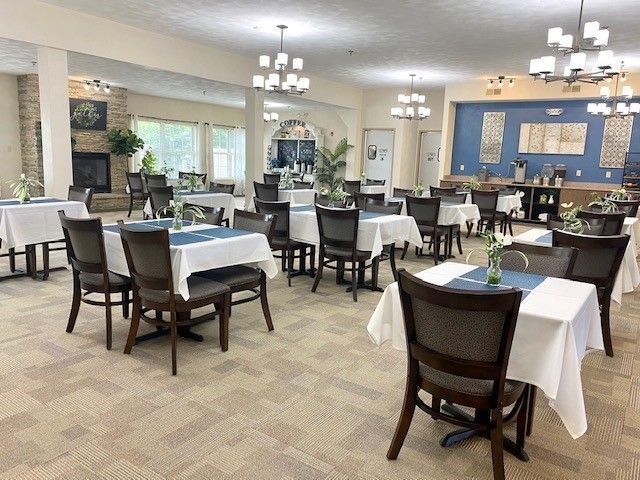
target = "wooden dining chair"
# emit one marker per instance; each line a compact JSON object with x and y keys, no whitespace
{"x":401,"y":192}
{"x":613,"y":222}
{"x":360,"y":199}
{"x":212,"y":215}
{"x":271,"y":178}
{"x":453,"y":231}
{"x":137,"y":194}
{"x":159,"y":180}
{"x":201,"y":176}
{"x":350,"y":187}
{"x":371,"y":181}
{"x":149,"y":262}
{"x":215,"y":187}
{"x":300,"y":185}
{"x":542,"y":260}
{"x":266,"y":191}
{"x":441,"y":191}
{"x":598,"y":262}
{"x":85,"y":249}
{"x":338,"y":229}
{"x":160,"y":197}
{"x":487,"y":202}
{"x":389,"y":250}
{"x":281,"y":240}
{"x":628,"y":206}
{"x":461,"y":361}
{"x":425,"y":212}
{"x":246,"y":278}
{"x":326,"y":202}
{"x":593,"y":226}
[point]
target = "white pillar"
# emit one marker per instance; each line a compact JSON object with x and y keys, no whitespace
{"x":56,"y":127}
{"x":255,"y":154}
{"x":353,"y":121}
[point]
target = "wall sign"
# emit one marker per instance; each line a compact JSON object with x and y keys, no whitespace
{"x":293,"y":123}
{"x":87,"y":114}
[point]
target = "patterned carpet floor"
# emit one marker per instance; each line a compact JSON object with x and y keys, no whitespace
{"x":314,"y":399}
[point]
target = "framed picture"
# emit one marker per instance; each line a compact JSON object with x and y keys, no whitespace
{"x":88,"y":114}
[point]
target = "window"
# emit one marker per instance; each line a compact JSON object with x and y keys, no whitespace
{"x":174,"y":143}
{"x":228,"y":152}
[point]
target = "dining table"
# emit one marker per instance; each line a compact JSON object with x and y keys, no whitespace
{"x":202,"y":198}
{"x":558,"y":324}
{"x":450,"y":213}
{"x":373,"y":189}
{"x":628,"y":277}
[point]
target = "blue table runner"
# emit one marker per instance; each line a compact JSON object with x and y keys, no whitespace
{"x":221,"y":232}
{"x":547,"y":238}
{"x":476,"y":280}
{"x":302,"y":208}
{"x":37,"y":201}
{"x":370,"y":215}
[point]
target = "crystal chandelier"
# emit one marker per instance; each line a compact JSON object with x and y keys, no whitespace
{"x":282,"y":80}
{"x":415,"y":109}
{"x":619,"y":106}
{"x":594,"y":39}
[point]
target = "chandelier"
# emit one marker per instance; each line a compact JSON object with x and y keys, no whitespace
{"x":281,"y":80}
{"x":590,"y":37}
{"x":619,"y":106}
{"x":415,"y":109}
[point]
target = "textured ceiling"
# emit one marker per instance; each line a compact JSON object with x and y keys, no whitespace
{"x":17,"y":57}
{"x":441,"y":40}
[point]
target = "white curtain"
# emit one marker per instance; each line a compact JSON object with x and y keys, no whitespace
{"x":237,"y":140}
{"x":202,"y":148}
{"x":134,"y":162}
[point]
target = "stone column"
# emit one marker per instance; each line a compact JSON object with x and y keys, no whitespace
{"x":54,"y":115}
{"x":254,"y":148}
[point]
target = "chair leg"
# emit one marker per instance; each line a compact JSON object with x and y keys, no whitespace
{"x":264,"y":301}
{"x":130,"y":205}
{"x":354,"y":280}
{"x":497,"y":452}
{"x":125,"y":303}
{"x":406,"y":415}
{"x":469,"y":228}
{"x":312,"y":259}
{"x":606,"y":328}
{"x":75,"y":303}
{"x":109,"y":323}
{"x":319,"y":272}
{"x":133,"y":328}
{"x":392,"y":261}
{"x":404,"y":250}
{"x":531,"y":406}
{"x":45,"y":260}
{"x":174,"y":343}
{"x":436,"y":250}
{"x":290,"y":259}
{"x":283,"y":259}
{"x":459,"y":242}
{"x":225,"y":310}
{"x":12,"y":260}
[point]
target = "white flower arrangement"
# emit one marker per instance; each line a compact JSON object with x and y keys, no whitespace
{"x":22,"y":187}
{"x":178,"y":209}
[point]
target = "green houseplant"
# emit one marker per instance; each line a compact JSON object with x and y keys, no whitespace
{"x":472,"y":184}
{"x":124,"y":142}
{"x":149,"y":163}
{"x":605,"y":204}
{"x":178,"y":208}
{"x":570,"y":219}
{"x":620,"y":194}
{"x":329,"y":163}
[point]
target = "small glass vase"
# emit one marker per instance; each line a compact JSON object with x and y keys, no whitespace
{"x":177,"y":222}
{"x":25,"y":197}
{"x":494,"y":273}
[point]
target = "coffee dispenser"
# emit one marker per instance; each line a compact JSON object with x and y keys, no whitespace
{"x":520,"y":171}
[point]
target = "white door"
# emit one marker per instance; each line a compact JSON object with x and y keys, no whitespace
{"x":430,"y":158}
{"x":378,"y":154}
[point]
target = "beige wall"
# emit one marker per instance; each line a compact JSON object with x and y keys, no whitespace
{"x":10,"y":160}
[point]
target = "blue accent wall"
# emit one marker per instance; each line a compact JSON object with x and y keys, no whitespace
{"x":468,"y":130}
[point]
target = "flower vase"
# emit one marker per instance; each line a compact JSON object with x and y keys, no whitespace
{"x":25,"y":197}
{"x":177,"y":222}
{"x":494,"y":273}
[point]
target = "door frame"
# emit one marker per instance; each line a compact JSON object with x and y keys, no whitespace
{"x":419,"y":150}
{"x":393,"y":150}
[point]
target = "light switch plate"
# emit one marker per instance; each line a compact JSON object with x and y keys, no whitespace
{"x":462,"y":168}
{"x":608,"y":174}
{"x":578,"y":173}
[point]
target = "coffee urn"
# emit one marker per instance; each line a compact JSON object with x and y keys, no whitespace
{"x":520,"y":171}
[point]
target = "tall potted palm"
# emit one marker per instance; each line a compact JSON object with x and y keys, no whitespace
{"x":330,"y":163}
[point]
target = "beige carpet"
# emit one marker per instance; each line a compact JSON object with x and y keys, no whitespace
{"x":315,"y":399}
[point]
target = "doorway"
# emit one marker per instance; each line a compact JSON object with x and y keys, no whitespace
{"x":378,"y":154}
{"x":429,"y":163}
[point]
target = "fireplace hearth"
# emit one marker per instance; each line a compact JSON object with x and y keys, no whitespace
{"x":92,"y":170}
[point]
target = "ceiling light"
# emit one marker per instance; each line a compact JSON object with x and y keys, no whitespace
{"x":500,"y":81}
{"x":618,"y":106}
{"x":415,"y":110}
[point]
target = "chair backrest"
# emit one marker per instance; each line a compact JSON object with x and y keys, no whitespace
{"x":464,"y":333}
{"x":401,"y":192}
{"x":160,"y":197}
{"x":486,"y":200}
{"x":629,"y":206}
{"x":371,"y":181}
{"x":255,"y":222}
{"x":613,"y":222}
{"x":507,"y":191}
{"x":201,"y":176}
{"x":280,"y":211}
{"x":424,"y":210}
{"x":134,"y":180}
{"x":338,"y":227}
{"x":594,"y":225}
{"x":222,"y":187}
{"x":351,"y":186}
{"x":361,"y":198}
{"x":148,"y":258}
{"x":326,"y":202}
{"x":212,"y":215}
{"x":85,"y":243}
{"x":156,"y":180}
{"x":266,"y":191}
{"x":455,"y":198}
{"x":383,"y":206}
{"x":81,"y":194}
{"x":271,"y":178}
{"x":543,"y":260}
{"x":442,"y":191}
{"x":300,"y":185}
{"x":599,"y":257}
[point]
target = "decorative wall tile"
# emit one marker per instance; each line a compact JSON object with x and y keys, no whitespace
{"x":492,"y":135}
{"x":615,"y":141}
{"x":556,"y":138}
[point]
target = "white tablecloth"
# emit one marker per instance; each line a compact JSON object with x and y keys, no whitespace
{"x":373,"y":189}
{"x":373,"y":233}
{"x":450,"y":214}
{"x":628,"y":277}
{"x":558,"y":323}
{"x":506,"y":203}
{"x":303,"y":196}
{"x":33,"y":223}
{"x":204,"y":199}
{"x":251,"y":249}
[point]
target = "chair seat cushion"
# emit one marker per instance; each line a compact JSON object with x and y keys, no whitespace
{"x":93,"y":280}
{"x":233,"y":277}
{"x":199,"y":289}
{"x":471,"y":386}
{"x":346,"y":252}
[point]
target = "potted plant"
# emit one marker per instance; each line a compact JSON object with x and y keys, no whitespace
{"x":334,"y":196}
{"x":418,"y":189}
{"x":620,"y":194}
{"x":124,"y":142}
{"x":22,"y":187}
{"x":472,"y":184}
{"x":329,"y":163}
{"x":286,"y":180}
{"x":570,"y":219}
{"x":149,"y":163}
{"x":494,"y":244}
{"x":178,"y":209}
{"x":605,"y":204}
{"x":193,"y":181}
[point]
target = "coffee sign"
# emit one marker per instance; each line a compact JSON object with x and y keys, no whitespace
{"x":293,"y":123}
